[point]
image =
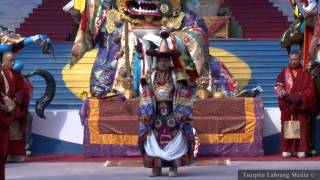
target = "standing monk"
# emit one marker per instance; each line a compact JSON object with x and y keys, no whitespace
{"x":296,"y":96}
{"x":15,"y":93}
{"x":6,"y":118}
{"x":4,"y":129}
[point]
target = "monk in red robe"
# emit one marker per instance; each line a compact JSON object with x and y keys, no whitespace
{"x":4,"y":129}
{"x":5,"y":120}
{"x":296,"y":96}
{"x":15,"y":96}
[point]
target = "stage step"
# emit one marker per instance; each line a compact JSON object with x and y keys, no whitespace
{"x":264,"y":57}
{"x":285,"y":7}
{"x":49,"y":19}
{"x":12,"y":13}
{"x":257,"y":18}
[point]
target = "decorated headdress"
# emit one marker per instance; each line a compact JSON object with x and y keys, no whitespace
{"x":164,"y":50}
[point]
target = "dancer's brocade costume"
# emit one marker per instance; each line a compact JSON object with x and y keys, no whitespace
{"x":102,"y":24}
{"x":166,"y":137}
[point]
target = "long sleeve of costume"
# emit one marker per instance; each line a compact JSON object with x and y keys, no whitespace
{"x":14,"y":47}
{"x":147,"y":111}
{"x":183,"y":109}
{"x":147,"y":107}
{"x":183,"y":100}
{"x":147,"y":103}
{"x":191,"y":40}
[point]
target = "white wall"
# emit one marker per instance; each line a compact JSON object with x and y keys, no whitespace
{"x":63,"y":125}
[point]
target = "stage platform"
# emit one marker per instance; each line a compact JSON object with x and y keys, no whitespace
{"x":253,"y":63}
{"x":78,"y":158}
{"x":70,"y":167}
{"x":226,"y":127}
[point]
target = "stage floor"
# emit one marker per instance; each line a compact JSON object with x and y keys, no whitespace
{"x":66,"y":158}
{"x":96,"y":170}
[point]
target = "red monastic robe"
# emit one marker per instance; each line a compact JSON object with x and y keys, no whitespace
{"x":4,"y":129}
{"x":300,"y":83}
{"x":5,"y":120}
{"x":19,"y":90}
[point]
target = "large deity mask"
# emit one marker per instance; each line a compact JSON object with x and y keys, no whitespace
{"x":136,"y":11}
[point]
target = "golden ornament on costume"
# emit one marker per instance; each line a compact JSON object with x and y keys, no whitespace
{"x":203,"y":83}
{"x":174,"y":23}
{"x":218,"y":94}
{"x":113,"y":17}
{"x":128,"y":91}
{"x":163,"y":93}
{"x":84,"y":95}
{"x":176,"y":5}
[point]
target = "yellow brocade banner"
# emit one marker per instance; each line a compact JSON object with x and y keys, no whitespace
{"x":236,"y":124}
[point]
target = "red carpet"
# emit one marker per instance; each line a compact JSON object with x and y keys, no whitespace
{"x":258,"y":18}
{"x":80,"y":158}
{"x":48,"y":19}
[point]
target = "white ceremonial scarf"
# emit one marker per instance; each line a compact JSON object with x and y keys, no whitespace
{"x":176,"y":148}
